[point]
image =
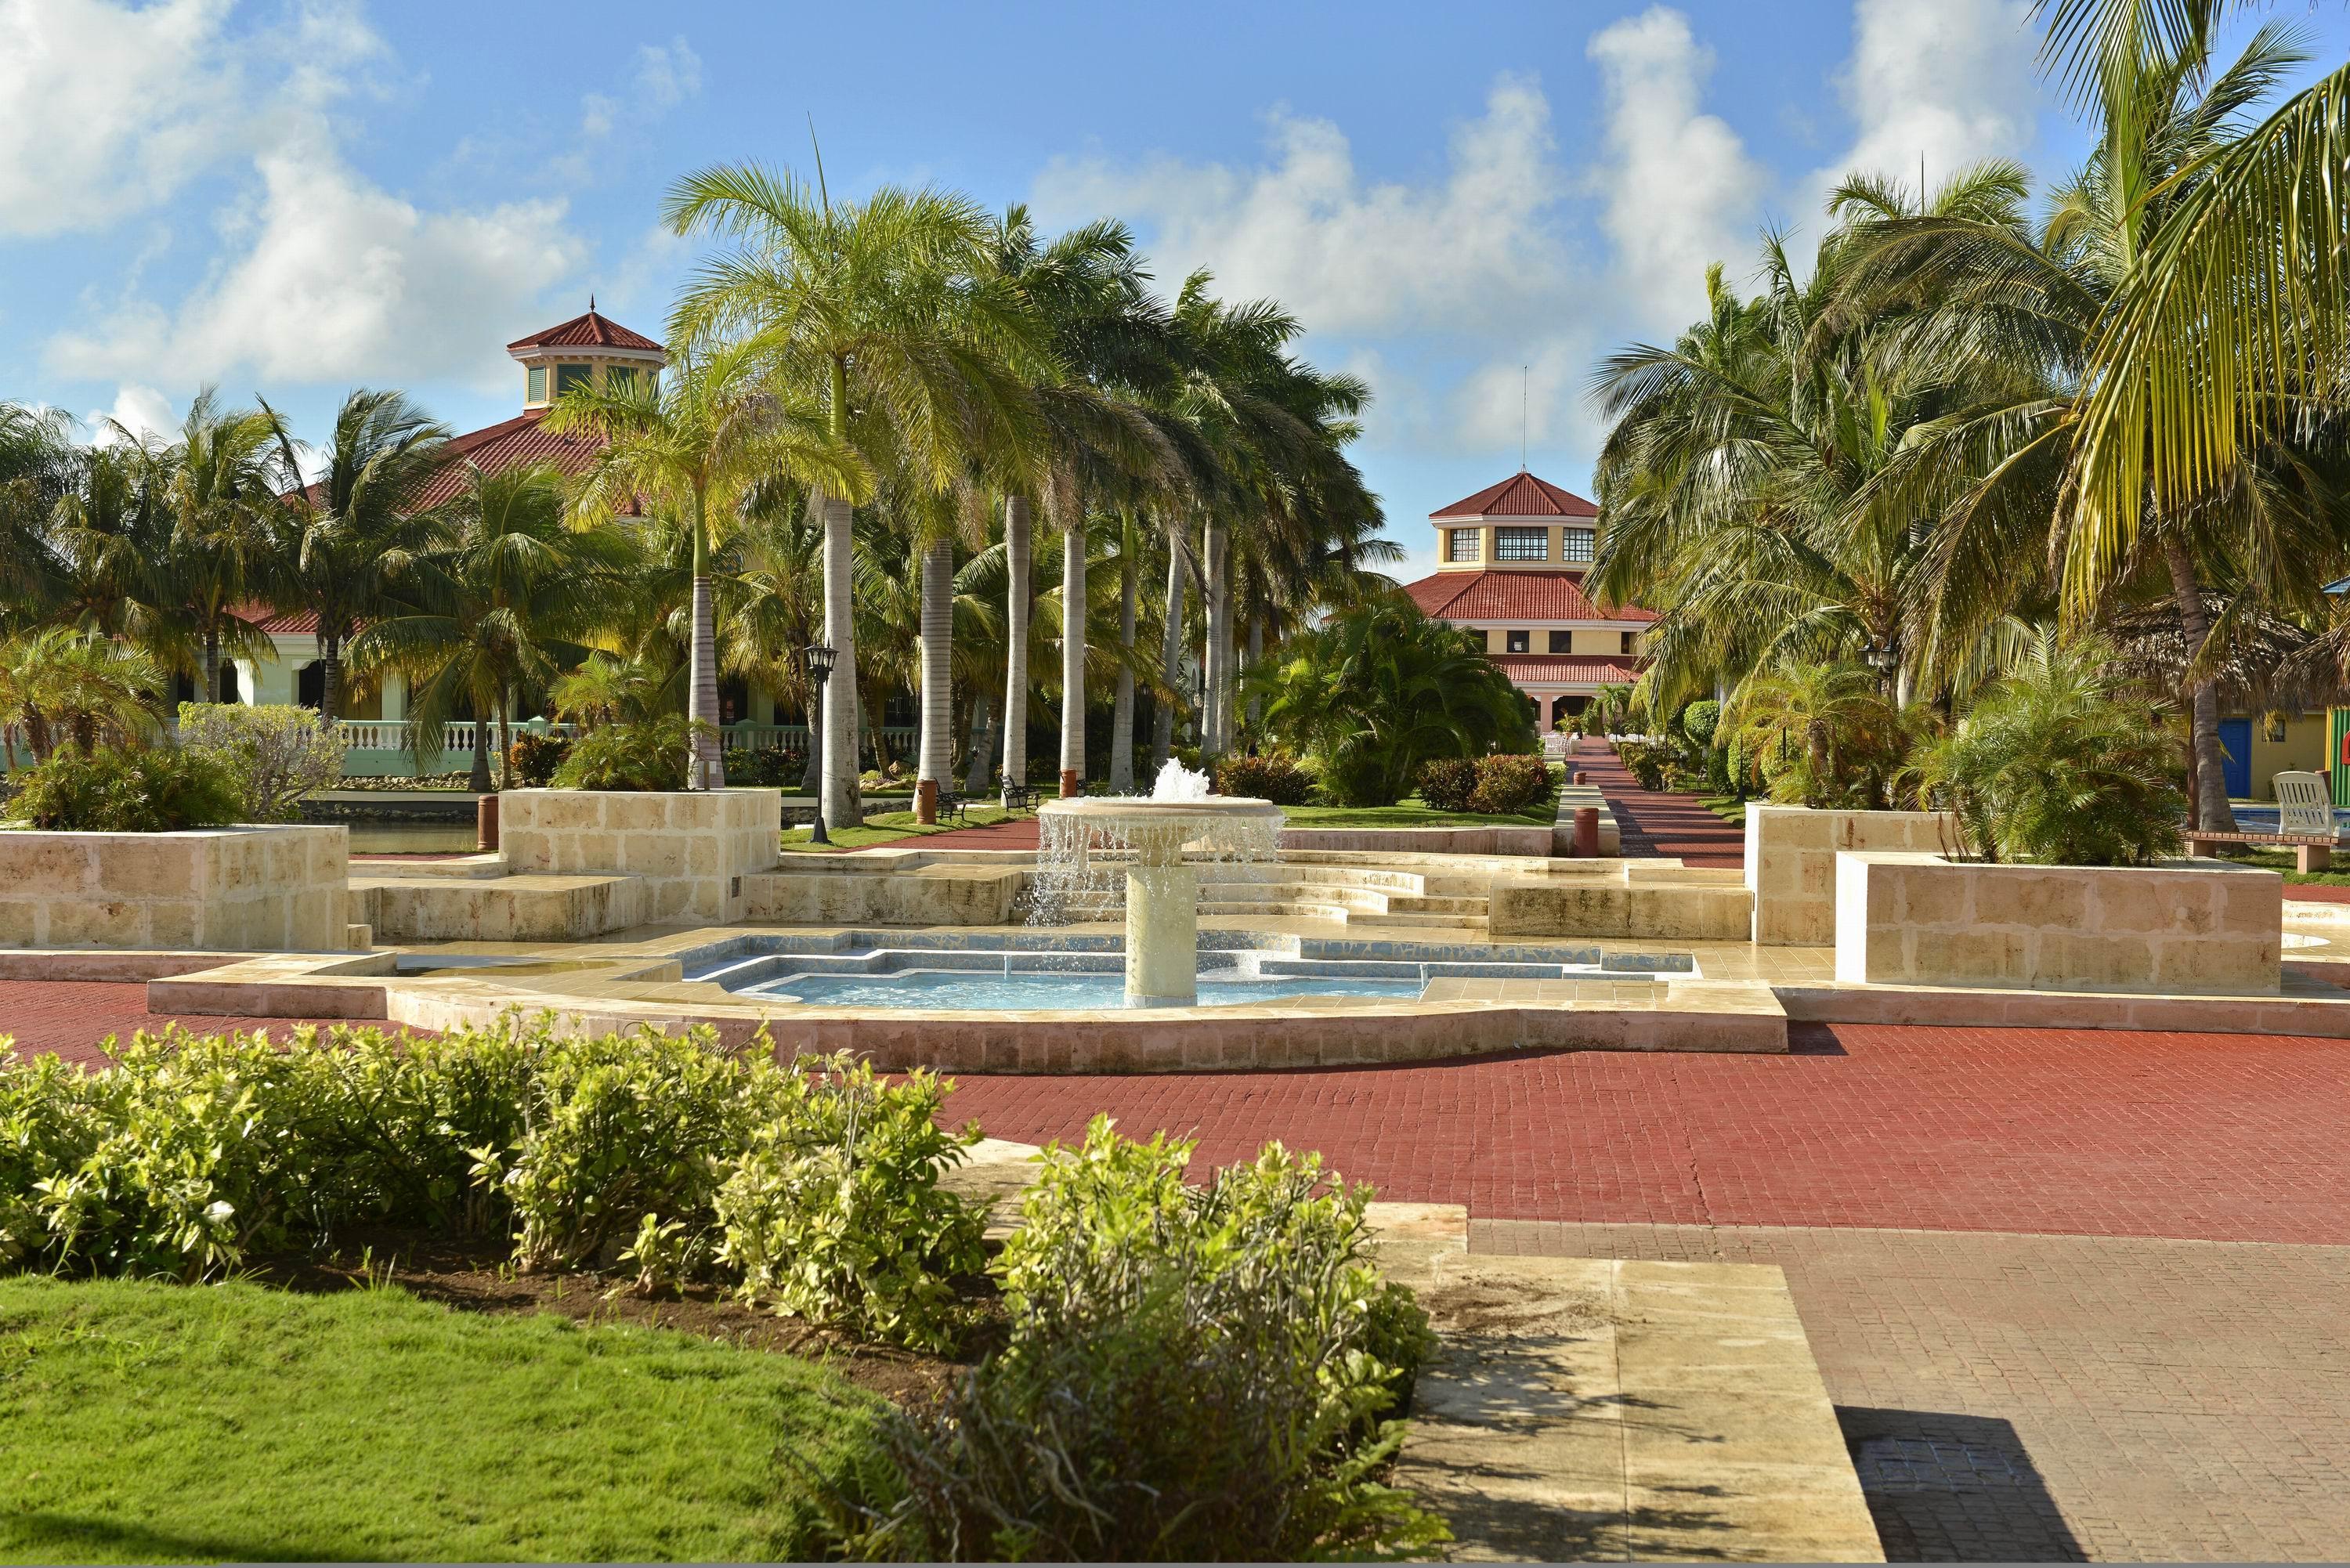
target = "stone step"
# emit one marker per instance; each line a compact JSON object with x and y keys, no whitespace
{"x":524,"y":907}
{"x":1450,"y":922}
{"x":1404,"y":903}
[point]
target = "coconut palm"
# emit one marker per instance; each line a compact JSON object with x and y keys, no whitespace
{"x":221,"y":482}
{"x":344,"y":536}
{"x":59,"y":685}
{"x":501,"y":610}
{"x":884,"y":316}
{"x":694,"y":443}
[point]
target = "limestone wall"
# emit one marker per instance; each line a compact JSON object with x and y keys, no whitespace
{"x":1689,"y":911}
{"x":2179,"y":926}
{"x":690,"y":849}
{"x":1527,"y":840}
{"x":244,"y":888}
{"x":916,"y":896}
{"x":1791,"y":863}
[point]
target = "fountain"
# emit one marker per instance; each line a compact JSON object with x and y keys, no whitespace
{"x":1149,"y":839}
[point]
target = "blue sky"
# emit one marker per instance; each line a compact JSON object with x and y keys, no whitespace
{"x":292,"y":199}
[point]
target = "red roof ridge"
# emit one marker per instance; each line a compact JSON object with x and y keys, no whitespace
{"x":588,"y":330}
{"x":1502,"y":596}
{"x":1519,"y":495}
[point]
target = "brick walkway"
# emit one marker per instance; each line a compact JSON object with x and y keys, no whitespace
{"x":73,"y":1018}
{"x":1658,"y":822}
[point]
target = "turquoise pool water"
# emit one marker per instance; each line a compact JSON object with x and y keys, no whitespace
{"x":937,"y":991}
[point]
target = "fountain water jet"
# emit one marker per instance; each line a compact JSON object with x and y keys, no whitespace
{"x":1152,"y":840}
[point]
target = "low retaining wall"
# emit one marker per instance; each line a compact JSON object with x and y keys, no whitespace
{"x":922,"y":895}
{"x":1791,"y":863}
{"x":2179,"y":926}
{"x":256,"y":888}
{"x":1574,"y":797}
{"x":690,"y":849}
{"x":1601,"y":907}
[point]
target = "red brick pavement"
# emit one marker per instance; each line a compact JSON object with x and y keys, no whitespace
{"x":2102,"y":1133}
{"x":73,"y":1018}
{"x":1659,"y":823}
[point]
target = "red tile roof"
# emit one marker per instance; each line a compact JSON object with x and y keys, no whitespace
{"x":289,"y":623}
{"x":1519,"y":495}
{"x":506,"y":445}
{"x":1565,"y":669}
{"x":1476,"y":597}
{"x":588,"y":331}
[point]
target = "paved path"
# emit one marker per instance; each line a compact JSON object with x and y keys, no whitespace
{"x":1658,"y":822}
{"x":73,"y":1018}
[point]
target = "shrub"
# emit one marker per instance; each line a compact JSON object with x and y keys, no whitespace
{"x":533,"y":758}
{"x":1191,"y":1375}
{"x":834,"y":1212}
{"x":1356,"y":775}
{"x":1508,"y":785}
{"x":158,"y":789}
{"x":650,"y":756}
{"x":1447,"y":782}
{"x":616,"y":1128}
{"x":1275,"y":778}
{"x":2050,"y":766}
{"x":1699,"y":720}
{"x":1644,"y":761}
{"x":769,"y":767}
{"x":278,"y":751}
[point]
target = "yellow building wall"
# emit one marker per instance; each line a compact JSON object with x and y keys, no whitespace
{"x":2302,"y":750}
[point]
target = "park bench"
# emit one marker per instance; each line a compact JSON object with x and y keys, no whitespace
{"x":953,"y":805}
{"x":2304,"y":822}
{"x":1019,"y":797}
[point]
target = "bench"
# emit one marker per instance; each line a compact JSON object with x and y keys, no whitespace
{"x":2305,"y":822}
{"x":1019,"y":797}
{"x":952,"y":805}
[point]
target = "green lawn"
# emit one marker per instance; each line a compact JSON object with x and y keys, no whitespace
{"x":145,"y":1422}
{"x":1413,"y":812}
{"x":888,"y":828}
{"x":2282,"y":860}
{"x":1729,"y":807}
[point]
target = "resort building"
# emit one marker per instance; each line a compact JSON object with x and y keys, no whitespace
{"x":1510,"y":561}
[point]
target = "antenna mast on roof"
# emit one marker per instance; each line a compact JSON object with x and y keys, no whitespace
{"x":1525,"y":376}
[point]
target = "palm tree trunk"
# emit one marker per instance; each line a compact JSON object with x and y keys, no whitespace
{"x":841,"y":712}
{"x":937,"y":763}
{"x":1219,"y":643}
{"x":1122,"y":722}
{"x":705,"y":769}
{"x":983,"y":744}
{"x":1255,"y":657}
{"x":331,"y":687}
{"x":477,"y":778}
{"x":505,"y":739}
{"x":1015,"y":662}
{"x":211,"y":689}
{"x":2212,"y":813}
{"x":1073,"y":656}
{"x":1170,"y":655}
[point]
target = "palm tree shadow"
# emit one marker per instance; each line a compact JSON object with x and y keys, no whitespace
{"x":70,"y":1538}
{"x":1946,"y":1488}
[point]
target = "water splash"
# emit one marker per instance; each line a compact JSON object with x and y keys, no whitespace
{"x":1085,"y":849}
{"x":1176,"y":782}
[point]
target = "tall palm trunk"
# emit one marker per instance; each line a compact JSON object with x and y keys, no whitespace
{"x":330,"y":686}
{"x":1121,"y":721}
{"x":1016,"y":663}
{"x":1170,"y":655}
{"x":840,"y":707}
{"x":210,"y":691}
{"x":983,"y":744}
{"x":705,"y":769}
{"x":1218,"y":651}
{"x":2212,"y":813}
{"x":1255,"y":657}
{"x":1073,"y":654}
{"x":937,"y":751}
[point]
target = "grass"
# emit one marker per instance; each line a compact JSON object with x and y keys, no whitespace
{"x":2275,"y":860}
{"x":888,"y":828}
{"x":144,"y":1422}
{"x":1413,"y":812}
{"x":1731,"y":808}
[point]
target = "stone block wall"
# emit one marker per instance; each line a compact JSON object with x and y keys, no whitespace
{"x":1791,"y":863}
{"x":1604,"y":907}
{"x":246,"y":889}
{"x":2179,"y":926}
{"x":690,"y":849}
{"x":921,"y":896}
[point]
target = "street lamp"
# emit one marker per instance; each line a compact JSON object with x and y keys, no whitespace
{"x":818,"y":657}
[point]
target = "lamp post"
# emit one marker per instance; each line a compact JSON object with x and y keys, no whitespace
{"x":818,"y":657}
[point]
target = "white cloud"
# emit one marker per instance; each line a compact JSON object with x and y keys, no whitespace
{"x":1477,"y":250}
{"x":1679,"y":190}
{"x":141,"y":410}
{"x":108,"y":110}
{"x":1951,"y":82}
{"x":335,"y":279}
{"x":667,"y":76}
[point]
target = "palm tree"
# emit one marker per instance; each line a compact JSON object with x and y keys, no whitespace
{"x":2235,"y":318}
{"x":343,"y":538}
{"x":223,"y":493}
{"x":694,"y":444}
{"x":58,"y":684}
{"x":882,"y":316}
{"x":503,"y":609}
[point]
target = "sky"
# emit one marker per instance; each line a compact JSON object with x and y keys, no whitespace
{"x":1468,"y":204}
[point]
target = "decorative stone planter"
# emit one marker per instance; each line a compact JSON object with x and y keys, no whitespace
{"x":1791,"y":863}
{"x":256,"y":888}
{"x":2180,"y":926}
{"x":689,"y":849}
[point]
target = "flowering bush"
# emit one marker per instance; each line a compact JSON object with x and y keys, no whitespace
{"x":533,"y":758}
{"x":1447,"y":782}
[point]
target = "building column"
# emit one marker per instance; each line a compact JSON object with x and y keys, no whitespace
{"x":395,"y":695}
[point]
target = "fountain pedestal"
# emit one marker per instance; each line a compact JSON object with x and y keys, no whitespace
{"x":1162,"y":888}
